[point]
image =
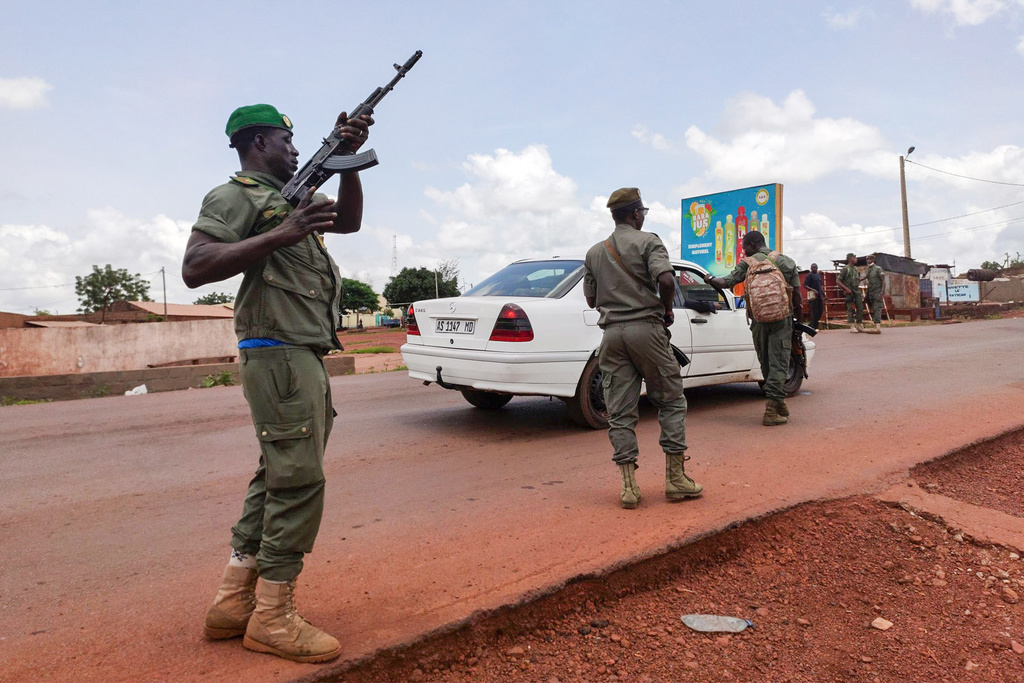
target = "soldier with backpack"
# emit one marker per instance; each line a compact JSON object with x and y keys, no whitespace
{"x":773,"y":300}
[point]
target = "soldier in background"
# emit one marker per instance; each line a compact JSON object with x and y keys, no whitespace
{"x":849,"y":282}
{"x":876,"y":290}
{"x":773,"y":341}
{"x":815,"y":295}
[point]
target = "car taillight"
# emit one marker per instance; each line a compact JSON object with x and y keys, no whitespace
{"x":512,"y":325}
{"x":411,"y":328}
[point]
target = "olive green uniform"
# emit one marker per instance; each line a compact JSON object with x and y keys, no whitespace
{"x":772,"y":341}
{"x":855,"y":301}
{"x":875,"y":277}
{"x":290,"y":296}
{"x":635,"y":344}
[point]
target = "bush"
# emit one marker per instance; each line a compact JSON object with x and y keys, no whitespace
{"x":223,"y":379}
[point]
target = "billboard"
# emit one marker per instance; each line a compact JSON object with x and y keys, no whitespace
{"x":714,"y":225}
{"x":957,"y":291}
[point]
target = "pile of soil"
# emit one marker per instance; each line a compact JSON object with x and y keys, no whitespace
{"x":848,"y":590}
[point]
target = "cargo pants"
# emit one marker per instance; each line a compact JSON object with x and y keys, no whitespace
{"x":631,"y":353}
{"x":289,"y":395}
{"x":774,"y":345}
{"x":876,"y":304}
{"x":855,"y":307}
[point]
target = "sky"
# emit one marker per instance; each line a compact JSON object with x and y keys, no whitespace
{"x":506,"y":139}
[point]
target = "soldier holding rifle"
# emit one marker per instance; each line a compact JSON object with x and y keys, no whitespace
{"x":286,"y":317}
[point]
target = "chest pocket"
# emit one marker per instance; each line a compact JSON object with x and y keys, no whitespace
{"x":271,"y":218}
{"x":304,"y":283}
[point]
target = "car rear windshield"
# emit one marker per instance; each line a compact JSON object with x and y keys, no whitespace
{"x":535,"y":278}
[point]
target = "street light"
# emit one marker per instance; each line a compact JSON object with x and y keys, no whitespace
{"x":903,"y":195}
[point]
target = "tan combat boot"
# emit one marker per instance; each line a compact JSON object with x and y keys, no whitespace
{"x":229,"y":614}
{"x":630,"y":496}
{"x":277,"y":629}
{"x":771,"y":414}
{"x":781,"y":408}
{"x":860,"y":328}
{"x":874,"y":329}
{"x":853,"y":328}
{"x":678,"y":486}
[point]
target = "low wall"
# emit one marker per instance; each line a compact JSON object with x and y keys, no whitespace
{"x":111,"y":348}
{"x":94,"y":384}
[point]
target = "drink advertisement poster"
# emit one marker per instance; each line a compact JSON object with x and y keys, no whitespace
{"x":714,"y":225}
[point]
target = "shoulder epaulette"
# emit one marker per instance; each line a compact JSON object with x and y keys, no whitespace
{"x":242,"y":180}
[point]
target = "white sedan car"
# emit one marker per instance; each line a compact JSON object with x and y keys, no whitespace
{"x":527,"y":331}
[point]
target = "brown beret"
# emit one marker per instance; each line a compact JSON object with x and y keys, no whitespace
{"x":623,"y":197}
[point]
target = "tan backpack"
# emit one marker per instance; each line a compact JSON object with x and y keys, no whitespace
{"x":768,"y":295}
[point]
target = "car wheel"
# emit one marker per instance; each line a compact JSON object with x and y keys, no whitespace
{"x":794,"y":379}
{"x":587,"y":406}
{"x":488,"y":400}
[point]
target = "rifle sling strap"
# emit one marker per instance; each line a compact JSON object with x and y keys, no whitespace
{"x":627,"y":271}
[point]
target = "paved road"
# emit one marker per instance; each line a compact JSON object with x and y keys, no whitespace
{"x":114,"y":512}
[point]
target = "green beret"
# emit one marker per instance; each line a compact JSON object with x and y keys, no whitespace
{"x":850,"y":256}
{"x":256,"y":115}
{"x":623,"y":197}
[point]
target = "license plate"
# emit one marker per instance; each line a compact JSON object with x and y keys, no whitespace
{"x":455,"y":326}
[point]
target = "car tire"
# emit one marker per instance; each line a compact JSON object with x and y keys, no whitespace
{"x":794,"y":379}
{"x":587,"y":407}
{"x":487,"y":400}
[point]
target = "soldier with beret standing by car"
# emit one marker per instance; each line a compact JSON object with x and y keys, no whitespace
{"x":286,"y":317}
{"x":631,"y":282}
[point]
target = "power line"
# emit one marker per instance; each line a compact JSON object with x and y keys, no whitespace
{"x":938,"y":234}
{"x":15,"y":289}
{"x":915,"y":225}
{"x":967,"y":177}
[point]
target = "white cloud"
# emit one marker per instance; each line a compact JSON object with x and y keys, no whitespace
{"x":655,"y":140}
{"x":40,"y":256}
{"x":785,"y":142}
{"x":513,"y":205}
{"x":23,"y":93}
{"x":964,"y":12}
{"x":841,"y":21}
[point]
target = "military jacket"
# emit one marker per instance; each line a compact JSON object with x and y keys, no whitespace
{"x":875,"y":281}
{"x":293,"y":294}
{"x":783,"y":262}
{"x":850,"y":277}
{"x":620,"y":298}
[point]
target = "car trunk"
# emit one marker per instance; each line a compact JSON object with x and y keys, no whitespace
{"x":457,"y":323}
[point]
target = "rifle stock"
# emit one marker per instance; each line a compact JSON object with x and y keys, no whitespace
{"x":335,"y":155}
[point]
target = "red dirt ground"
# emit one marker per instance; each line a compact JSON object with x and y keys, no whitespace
{"x":812,"y":580}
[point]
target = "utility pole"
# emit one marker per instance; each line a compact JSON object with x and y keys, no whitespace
{"x":394,"y":255}
{"x":903,"y":195}
{"x":436,"y":294}
{"x":163,"y":276}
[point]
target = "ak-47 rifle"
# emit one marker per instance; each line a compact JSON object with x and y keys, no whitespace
{"x":336,"y":155}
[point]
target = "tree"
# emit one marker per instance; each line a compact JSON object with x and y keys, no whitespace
{"x":415,"y":284}
{"x":100,"y":288}
{"x":1008,"y":262}
{"x":357,"y":297}
{"x":214,"y":298}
